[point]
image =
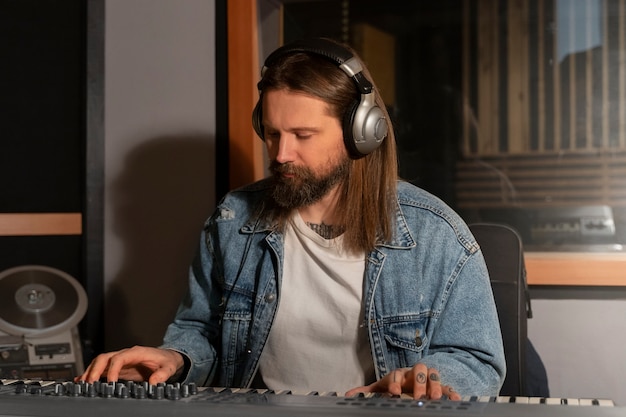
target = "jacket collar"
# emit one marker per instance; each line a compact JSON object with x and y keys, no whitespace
{"x":402,"y":238}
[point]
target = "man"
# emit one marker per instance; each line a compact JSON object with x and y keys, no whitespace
{"x":331,"y":275}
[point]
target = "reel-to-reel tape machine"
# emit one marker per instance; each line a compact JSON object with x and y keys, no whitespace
{"x":40,"y":307}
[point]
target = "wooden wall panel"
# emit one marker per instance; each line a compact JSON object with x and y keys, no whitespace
{"x":488,"y":114}
{"x":517,"y":74}
{"x":40,"y":224}
{"x":245,"y":148}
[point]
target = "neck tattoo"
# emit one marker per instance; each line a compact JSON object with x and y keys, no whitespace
{"x":327,"y":231}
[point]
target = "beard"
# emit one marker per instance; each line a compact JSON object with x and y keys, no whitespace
{"x":304,"y":187}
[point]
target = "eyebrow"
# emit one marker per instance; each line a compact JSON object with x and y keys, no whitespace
{"x":296,"y":128}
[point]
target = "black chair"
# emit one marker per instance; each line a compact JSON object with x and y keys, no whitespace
{"x":504,"y":256}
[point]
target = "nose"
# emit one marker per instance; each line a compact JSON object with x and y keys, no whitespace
{"x":284,"y":148}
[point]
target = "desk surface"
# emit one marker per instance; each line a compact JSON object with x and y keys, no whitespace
{"x":576,"y":268}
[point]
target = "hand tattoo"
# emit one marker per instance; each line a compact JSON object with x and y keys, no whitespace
{"x":421,"y":378}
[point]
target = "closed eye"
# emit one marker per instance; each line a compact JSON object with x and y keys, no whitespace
{"x":272,"y":134}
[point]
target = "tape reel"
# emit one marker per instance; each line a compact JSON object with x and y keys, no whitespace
{"x":38,"y":301}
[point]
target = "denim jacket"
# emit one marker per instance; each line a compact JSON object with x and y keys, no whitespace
{"x":427,"y":296}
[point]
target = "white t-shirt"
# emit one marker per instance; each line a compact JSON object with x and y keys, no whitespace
{"x":318,"y":341}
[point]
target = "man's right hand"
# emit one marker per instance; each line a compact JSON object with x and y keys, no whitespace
{"x":138,"y":363}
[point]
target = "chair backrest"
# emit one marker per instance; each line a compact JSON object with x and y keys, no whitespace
{"x":504,"y":256}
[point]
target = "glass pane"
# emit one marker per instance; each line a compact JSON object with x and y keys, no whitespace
{"x":510,"y":111}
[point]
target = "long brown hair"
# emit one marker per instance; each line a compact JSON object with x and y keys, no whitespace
{"x":367,"y":204}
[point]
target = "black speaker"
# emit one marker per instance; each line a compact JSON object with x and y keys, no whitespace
{"x":365,"y":126}
{"x":42,"y":104}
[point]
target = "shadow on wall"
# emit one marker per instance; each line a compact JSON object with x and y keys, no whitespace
{"x":160,"y":201}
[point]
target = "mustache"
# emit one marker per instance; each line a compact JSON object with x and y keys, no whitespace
{"x":277,"y":168}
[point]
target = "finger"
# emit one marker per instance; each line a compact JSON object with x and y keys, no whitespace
{"x":354,"y":391}
{"x":168,"y":367}
{"x":83,"y":376}
{"x":378,"y":386}
{"x":449,"y":392}
{"x":361,"y":390}
{"x":434,"y":384}
{"x":161,"y":375}
{"x":119,"y":360}
{"x":420,"y":381}
{"x":390,"y":383}
{"x":114,"y":368}
{"x":396,"y":382}
{"x":96,"y":368}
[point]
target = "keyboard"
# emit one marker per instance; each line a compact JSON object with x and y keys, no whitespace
{"x":68,"y":399}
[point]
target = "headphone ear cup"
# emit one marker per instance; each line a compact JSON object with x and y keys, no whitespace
{"x":257,"y":118}
{"x":375,"y":129}
{"x":365,"y":127}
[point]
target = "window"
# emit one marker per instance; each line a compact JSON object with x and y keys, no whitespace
{"x":510,"y":111}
